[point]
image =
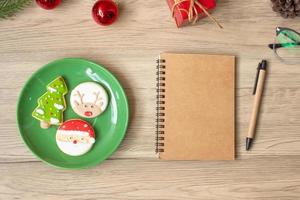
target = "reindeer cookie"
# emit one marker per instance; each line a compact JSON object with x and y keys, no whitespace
{"x":89,"y":99}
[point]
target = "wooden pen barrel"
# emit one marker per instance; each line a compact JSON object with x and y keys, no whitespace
{"x":256,"y":104}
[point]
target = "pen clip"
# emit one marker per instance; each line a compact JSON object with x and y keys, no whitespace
{"x":256,"y":79}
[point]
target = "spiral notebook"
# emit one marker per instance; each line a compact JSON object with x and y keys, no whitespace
{"x":195,"y":107}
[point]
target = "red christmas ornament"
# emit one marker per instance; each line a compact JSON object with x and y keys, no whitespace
{"x":105,"y":12}
{"x":48,"y":4}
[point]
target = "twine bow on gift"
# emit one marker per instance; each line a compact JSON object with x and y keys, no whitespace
{"x":193,"y":14}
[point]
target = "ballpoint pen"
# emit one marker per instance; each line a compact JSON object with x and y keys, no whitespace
{"x":257,"y":92}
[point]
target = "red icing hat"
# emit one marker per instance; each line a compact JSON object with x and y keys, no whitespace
{"x":78,"y":126}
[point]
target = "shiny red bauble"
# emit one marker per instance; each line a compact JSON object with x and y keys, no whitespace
{"x":105,"y":12}
{"x":48,"y":4}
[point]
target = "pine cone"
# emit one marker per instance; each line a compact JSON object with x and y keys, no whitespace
{"x":287,"y":8}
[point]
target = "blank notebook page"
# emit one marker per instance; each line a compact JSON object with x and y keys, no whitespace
{"x":199,"y":107}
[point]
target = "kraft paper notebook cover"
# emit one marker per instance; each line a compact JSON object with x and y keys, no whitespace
{"x":195,"y":107}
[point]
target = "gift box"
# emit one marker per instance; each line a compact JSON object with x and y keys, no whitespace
{"x":189,"y":11}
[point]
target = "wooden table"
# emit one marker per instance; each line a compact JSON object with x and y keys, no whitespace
{"x":129,"y":49}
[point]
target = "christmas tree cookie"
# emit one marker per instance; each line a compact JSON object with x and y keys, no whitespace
{"x":52,"y":104}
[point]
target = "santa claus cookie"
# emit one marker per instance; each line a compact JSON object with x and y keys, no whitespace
{"x":89,"y":99}
{"x":75,"y":137}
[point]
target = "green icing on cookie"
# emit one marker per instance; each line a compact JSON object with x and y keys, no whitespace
{"x":58,"y":85}
{"x":52,"y":104}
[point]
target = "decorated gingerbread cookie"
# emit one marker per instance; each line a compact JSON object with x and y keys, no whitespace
{"x":75,"y":137}
{"x":89,"y":99}
{"x":51,"y":104}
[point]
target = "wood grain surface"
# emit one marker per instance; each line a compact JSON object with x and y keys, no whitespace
{"x":129,"y":49}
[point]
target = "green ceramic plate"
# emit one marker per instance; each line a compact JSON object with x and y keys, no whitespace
{"x":110,"y":127}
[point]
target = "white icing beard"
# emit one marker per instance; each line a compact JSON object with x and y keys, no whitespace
{"x":72,"y":149}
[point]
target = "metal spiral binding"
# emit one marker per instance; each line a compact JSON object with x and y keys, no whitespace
{"x":160,"y":115}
